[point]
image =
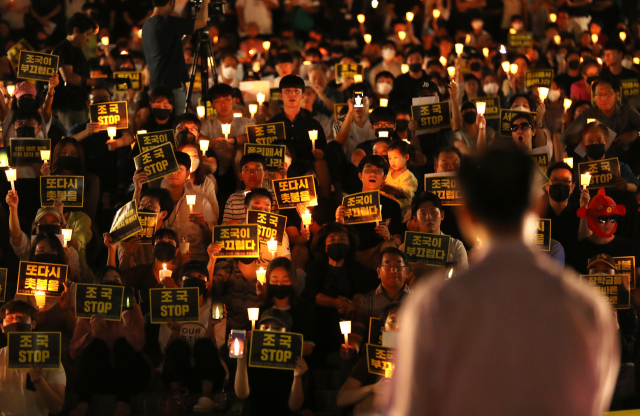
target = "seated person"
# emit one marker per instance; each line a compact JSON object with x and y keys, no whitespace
{"x":25,"y":97}
{"x":35,"y":392}
{"x":163,"y":112}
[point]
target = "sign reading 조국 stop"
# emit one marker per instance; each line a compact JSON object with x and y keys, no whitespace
{"x":237,"y":240}
{"x":68,"y":189}
{"x":362,"y":207}
{"x":125,"y":223}
{"x":274,"y":154}
{"x":102,"y":300}
{"x":603,"y":172}
{"x":111,"y":114}
{"x":41,"y":277}
{"x":292,"y":191}
{"x":431,"y":249}
{"x":431,"y":116}
{"x":157,"y":162}
{"x":36,"y":65}
{"x":266,"y":133}
{"x":177,"y":305}
{"x":270,"y":225}
{"x":445,"y":186}
{"x":275,"y":350}
{"x":40,"y":348}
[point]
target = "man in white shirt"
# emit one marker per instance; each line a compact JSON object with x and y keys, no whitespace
{"x":354,"y":128}
{"x":16,"y":396}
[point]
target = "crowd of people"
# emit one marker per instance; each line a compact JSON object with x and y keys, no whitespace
{"x":398,"y":55}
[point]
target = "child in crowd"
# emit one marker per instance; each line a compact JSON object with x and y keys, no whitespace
{"x":400,"y":184}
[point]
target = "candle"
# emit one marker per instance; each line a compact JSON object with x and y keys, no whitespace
{"x":553,"y":17}
{"x":566,"y":104}
{"x":450,"y":273}
{"x":599,"y":61}
{"x":272,"y":245}
{"x":481,"y":107}
{"x":191,"y":201}
{"x":105,"y":40}
{"x":636,"y":61}
{"x":217,"y":314}
{"x":236,"y":347}
{"x":345,"y":328}
{"x":384,"y":102}
{"x":585,"y":180}
{"x":357,"y":78}
{"x":591,"y":120}
{"x":512,"y":31}
{"x":568,"y":161}
{"x":253,"y":313}
{"x":41,"y":299}
{"x":404,"y":68}
{"x":503,"y":50}
{"x":66,"y":235}
{"x":557,"y":39}
{"x":200,"y":109}
{"x":514,"y":68}
{"x":409,"y":16}
{"x":142,"y":132}
{"x":306,"y":218}
{"x":452,"y":71}
{"x":111,"y":131}
{"x":367,"y":38}
{"x":436,"y":13}
{"x":402,"y":35}
{"x":505,"y":67}
{"x":45,"y":155}
{"x":256,"y":66}
{"x":383,"y":133}
{"x":313,"y":135}
{"x":443,"y":61}
{"x":260,"y":98}
{"x":378,"y":222}
{"x":543,"y":92}
{"x":261,"y":275}
{"x":594,"y":38}
{"x":11,"y":177}
{"x":459,"y":48}
{"x":184,"y":247}
{"x":360,"y":18}
{"x":266,"y":45}
{"x":226,"y":129}
{"x":467,"y":38}
{"x":388,"y":372}
{"x":374,"y":4}
{"x":164,"y":273}
{"x":253,"y":109}
{"x":204,"y":145}
{"x":623,"y":36}
{"x":485,"y":52}
{"x":237,"y":115}
{"x":11,"y":89}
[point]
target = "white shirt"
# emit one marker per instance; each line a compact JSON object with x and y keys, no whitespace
{"x":208,"y":189}
{"x":15,"y":399}
{"x":357,"y":135}
{"x":180,"y":223}
{"x":190,"y":332}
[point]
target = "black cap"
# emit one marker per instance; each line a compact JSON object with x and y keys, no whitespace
{"x":194,"y":266}
{"x":602,"y":258}
{"x":281,"y":317}
{"x":183,"y":159}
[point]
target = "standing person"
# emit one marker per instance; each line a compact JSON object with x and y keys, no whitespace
{"x":519,"y":355}
{"x":162,"y":44}
{"x":72,"y":92}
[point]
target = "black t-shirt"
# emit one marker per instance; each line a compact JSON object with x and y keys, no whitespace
{"x":586,"y":249}
{"x":44,"y":7}
{"x":71,"y":97}
{"x":269,"y":391}
{"x":297,"y":133}
{"x":366,"y":232}
{"x":564,"y":82}
{"x":138,"y":9}
{"x":97,"y":155}
{"x":564,"y":227}
{"x":624,"y":74}
{"x":361,"y":373}
{"x":405,"y":87}
{"x":303,"y":318}
{"x":162,"y":45}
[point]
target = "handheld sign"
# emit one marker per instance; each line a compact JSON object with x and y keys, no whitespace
{"x":26,"y":152}
{"x":3,"y":284}
{"x":177,"y":305}
{"x":210,"y":111}
{"x":274,"y":95}
{"x":41,"y":277}
{"x":492,"y":111}
{"x":614,"y":287}
{"x":431,"y":249}
{"x":362,"y":207}
{"x":375,"y":331}
{"x":337,"y":109}
{"x":111,"y":114}
{"x":237,"y":240}
{"x":157,"y":162}
{"x":125,"y":223}
{"x":274,"y":154}
{"x":266,"y":133}
{"x":149,"y":223}
{"x":14,"y":52}
{"x":68,"y":189}
{"x":147,"y":141}
{"x":629,"y":88}
{"x":431,"y":116}
{"x":540,"y":158}
{"x":543,"y":235}
{"x":506,"y":116}
{"x":134,"y":76}
{"x":445,"y":186}
{"x":102,"y":300}
{"x":520,"y":40}
{"x":269,"y":225}
{"x":379,"y":359}
{"x":603,"y":172}
{"x":350,"y":70}
{"x":292,"y":191}
{"x":538,"y":78}
{"x":36,"y":65}
{"x":626,"y":265}
{"x":275,"y":350}
{"x":40,"y":348}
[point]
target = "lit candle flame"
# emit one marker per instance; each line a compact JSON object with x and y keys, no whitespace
{"x":236,"y":347}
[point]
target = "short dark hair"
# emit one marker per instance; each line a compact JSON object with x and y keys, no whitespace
{"x":615,"y":45}
{"x":426,"y":196}
{"x":382,"y":114}
{"x":284,"y":57}
{"x":18,"y":306}
{"x":412,"y":50}
{"x":320,"y":245}
{"x":99,"y":87}
{"x":219,"y":91}
{"x":253,"y":157}
{"x":359,"y":86}
{"x":613,"y":83}
{"x":27,"y":115}
{"x":526,"y":116}
{"x":163,"y":233}
{"x":384,"y":74}
{"x":80,"y":21}
{"x":557,"y":166}
{"x":163,"y":196}
{"x":483,"y":180}
{"x":257,"y":192}
{"x":300,"y":168}
{"x":375,"y":160}
{"x":291,"y":81}
{"x":387,"y":311}
{"x":160,"y":92}
{"x":187,"y":117}
{"x":446,"y":149}
{"x":54,"y":243}
{"x":399,"y":145}
{"x":393,"y":251}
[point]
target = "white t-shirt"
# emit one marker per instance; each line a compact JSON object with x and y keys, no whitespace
{"x":190,"y":332}
{"x":15,"y":399}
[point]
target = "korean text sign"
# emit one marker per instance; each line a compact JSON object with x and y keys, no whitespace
{"x":431,"y":116}
{"x":237,"y":240}
{"x":543,"y":234}
{"x":266,"y":133}
{"x":541,"y":159}
{"x":3,"y":284}
{"x":41,"y":277}
{"x":157,"y":162}
{"x":603,"y":172}
{"x":269,"y":225}
{"x":275,"y":350}
{"x":36,"y":65}
{"x":626,"y":265}
{"x":177,"y":305}
{"x":148,"y":222}
{"x":431,"y":249}
{"x":538,"y":78}
{"x":40,"y":348}
{"x":134,"y":76}
{"x":102,"y":300}
{"x":68,"y":189}
{"x":492,"y":110}
{"x":614,"y":287}
{"x":292,"y":191}
{"x":506,"y":116}
{"x":26,"y":152}
{"x":125,"y":223}
{"x":520,"y":40}
{"x":629,"y":88}
{"x":111,"y":114}
{"x":147,"y":141}
{"x":445,"y":186}
{"x":379,"y":359}
{"x":362,"y":207}
{"x":347,"y":70}
{"x":274,"y":154}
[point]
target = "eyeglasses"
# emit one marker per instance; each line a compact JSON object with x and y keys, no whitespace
{"x":374,"y":171}
{"x":252,"y":171}
{"x":611,"y":219}
{"x":554,"y":182}
{"x":523,"y":127}
{"x":393,"y":267}
{"x":152,"y":207}
{"x":605,"y":95}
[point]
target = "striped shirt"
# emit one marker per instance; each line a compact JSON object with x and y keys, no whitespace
{"x":234,"y":209}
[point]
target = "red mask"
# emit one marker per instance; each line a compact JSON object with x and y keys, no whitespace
{"x":600,"y":205}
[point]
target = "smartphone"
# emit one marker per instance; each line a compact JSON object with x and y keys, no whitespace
{"x":236,"y":341}
{"x":127,"y":299}
{"x":358,"y":99}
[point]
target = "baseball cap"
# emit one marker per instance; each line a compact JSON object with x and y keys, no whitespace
{"x":278,"y":316}
{"x":24,"y":88}
{"x":602,"y":258}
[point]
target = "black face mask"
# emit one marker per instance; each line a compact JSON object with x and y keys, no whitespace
{"x":17,"y":327}
{"x":68,"y":162}
{"x":469,"y":117}
{"x":147,"y":210}
{"x":280,"y":291}
{"x":402,"y":125}
{"x":47,"y":258}
{"x":185,"y":137}
{"x":49,"y":228}
{"x":26,"y":131}
{"x":195,"y":282}
{"x":161,"y":113}
{"x":559,"y":192}
{"x":591,"y":79}
{"x":475,"y":66}
{"x":573,"y":65}
{"x":415,"y":67}
{"x":109,"y":283}
{"x":27,"y":103}
{"x":595,"y":151}
{"x":164,"y":251}
{"x":337,"y":251}
{"x":246,"y":260}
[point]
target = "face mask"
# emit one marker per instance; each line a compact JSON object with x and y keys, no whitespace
{"x":490,"y":88}
{"x":520,"y":108}
{"x":185,"y":137}
{"x":164,"y":251}
{"x":148,"y":210}
{"x":476,"y":24}
{"x":46,"y":258}
{"x":627,"y":63}
{"x":194,"y":164}
{"x":415,"y":67}
{"x":139,"y":67}
{"x":49,"y":228}
{"x":68,"y":162}
{"x":195,"y":282}
{"x":17,"y":327}
{"x":383,"y":88}
{"x":161,"y":113}
{"x":559,"y":192}
{"x":280,"y":291}
{"x":27,"y":103}
{"x":26,"y":131}
{"x":573,"y":65}
{"x":595,"y":151}
{"x":388,"y":54}
{"x":228,"y":72}
{"x":246,"y":260}
{"x":469,"y":117}
{"x":475,"y":66}
{"x":553,"y":95}
{"x":591,"y":79}
{"x":337,"y":251}
{"x":402,"y":125}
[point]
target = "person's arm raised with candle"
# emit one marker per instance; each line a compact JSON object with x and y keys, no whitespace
{"x":14,"y":222}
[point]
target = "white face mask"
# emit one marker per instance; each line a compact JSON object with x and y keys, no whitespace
{"x":228,"y":72}
{"x":383,"y":88}
{"x":195,"y":163}
{"x":627,"y":63}
{"x":553,"y":95}
{"x":388,"y":54}
{"x":139,"y":67}
{"x":521,"y":108}
{"x":490,"y":88}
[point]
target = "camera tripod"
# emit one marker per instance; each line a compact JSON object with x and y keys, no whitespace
{"x":204,"y":52}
